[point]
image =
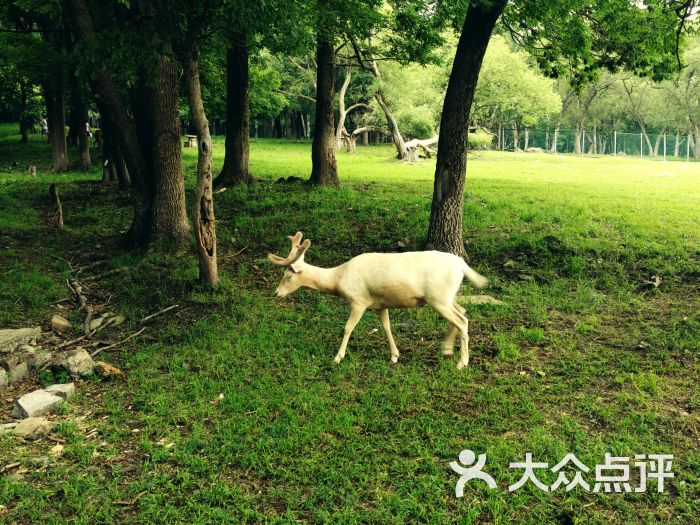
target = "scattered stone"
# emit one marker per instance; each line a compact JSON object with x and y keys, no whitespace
{"x":33,"y":427}
{"x":534,"y":150}
{"x":56,"y":450}
{"x":401,"y":244}
{"x":117,"y":320}
{"x":480,"y":299}
{"x":60,"y":324}
{"x":4,"y":380}
{"x":40,"y":461}
{"x":64,"y":390}
{"x":7,"y":427}
{"x":39,"y":358}
{"x":509,"y":264}
{"x":17,"y":372}
{"x":107,"y":371}
{"x":77,"y":363}
{"x":12,"y":338}
{"x":54,"y":340}
{"x":36,"y":403}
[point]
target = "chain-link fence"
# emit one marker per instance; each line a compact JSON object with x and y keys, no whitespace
{"x":662,"y":146}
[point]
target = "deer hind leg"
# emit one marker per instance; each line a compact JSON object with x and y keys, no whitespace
{"x":455,"y":315}
{"x":355,"y":315}
{"x":386,"y":324}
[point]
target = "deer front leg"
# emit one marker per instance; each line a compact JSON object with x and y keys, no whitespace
{"x":355,"y":315}
{"x":386,"y":324}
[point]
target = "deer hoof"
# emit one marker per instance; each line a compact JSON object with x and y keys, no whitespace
{"x":461,"y":365}
{"x":448,"y":351}
{"x":394,"y":359}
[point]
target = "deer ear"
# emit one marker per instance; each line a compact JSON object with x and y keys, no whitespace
{"x":296,"y":267}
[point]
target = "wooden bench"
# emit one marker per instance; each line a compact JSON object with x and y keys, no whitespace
{"x":190,"y":141}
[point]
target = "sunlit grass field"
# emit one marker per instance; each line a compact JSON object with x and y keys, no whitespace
{"x":233,"y":411}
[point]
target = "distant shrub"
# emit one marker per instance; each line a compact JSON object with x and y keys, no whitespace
{"x":419,"y":122}
{"x":480,"y":140}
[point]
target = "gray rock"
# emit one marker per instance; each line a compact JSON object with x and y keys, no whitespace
{"x":36,"y":403}
{"x":12,"y":338}
{"x":39,"y":358}
{"x":4,"y":380}
{"x":33,"y":427}
{"x":60,"y":324}
{"x":65,"y":391}
{"x":7,"y":427}
{"x":77,"y":363}
{"x":18,"y":372}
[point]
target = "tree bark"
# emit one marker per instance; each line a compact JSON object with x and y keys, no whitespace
{"x":23,"y":115}
{"x":168,"y":212}
{"x":123,"y":128}
{"x":445,"y":227}
{"x":53,"y":96}
{"x":325,"y":170}
{"x":391,"y":122}
{"x":203,"y":205}
{"x":79,"y":117}
{"x":236,"y":169}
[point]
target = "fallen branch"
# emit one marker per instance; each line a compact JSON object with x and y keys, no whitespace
{"x":78,"y":290}
{"x":412,"y":147}
{"x":117,"y":344}
{"x":109,"y":272}
{"x":149,"y":317}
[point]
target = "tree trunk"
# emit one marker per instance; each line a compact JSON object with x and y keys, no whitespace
{"x":53,"y":96}
{"x":79,"y":117}
{"x":168,"y":216}
{"x":203,"y":206}
{"x":342,"y":113}
{"x":445,"y":227}
{"x":236,"y":169}
{"x":516,"y":138}
{"x":324,"y":171}
{"x":23,"y":114}
{"x":527,"y":139}
{"x":122,"y":127}
{"x":555,"y":139}
{"x":677,"y":145}
{"x":365,"y":138}
{"x":391,"y":122}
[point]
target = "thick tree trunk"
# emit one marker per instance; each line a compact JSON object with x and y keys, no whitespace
{"x":236,"y":169}
{"x":168,"y":216}
{"x":445,"y":228}
{"x":325,"y":170}
{"x":53,"y":96}
{"x":122,"y":127}
{"x":203,"y":206}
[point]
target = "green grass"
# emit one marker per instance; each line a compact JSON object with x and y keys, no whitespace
{"x":584,"y":357}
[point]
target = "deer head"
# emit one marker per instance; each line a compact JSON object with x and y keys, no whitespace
{"x":294,"y":263}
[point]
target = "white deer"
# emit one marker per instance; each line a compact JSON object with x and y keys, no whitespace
{"x":379,"y":281}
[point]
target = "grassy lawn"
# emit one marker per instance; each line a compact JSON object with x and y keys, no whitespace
{"x":232,"y":410}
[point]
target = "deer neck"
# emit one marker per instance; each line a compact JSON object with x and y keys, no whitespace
{"x":321,"y":279}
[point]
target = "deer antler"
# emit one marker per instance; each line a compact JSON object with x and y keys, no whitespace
{"x":297,"y":251}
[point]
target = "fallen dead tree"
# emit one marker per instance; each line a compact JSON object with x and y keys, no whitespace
{"x":412,"y":147}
